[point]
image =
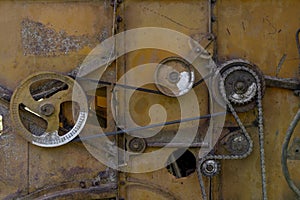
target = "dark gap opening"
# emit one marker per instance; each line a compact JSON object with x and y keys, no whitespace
{"x":31,"y":121}
{"x":46,"y":88}
{"x":100,"y":104}
{"x":68,"y":115}
{"x":183,"y":166}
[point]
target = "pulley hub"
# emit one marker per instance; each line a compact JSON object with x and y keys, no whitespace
{"x":210,"y":168}
{"x":239,"y":84}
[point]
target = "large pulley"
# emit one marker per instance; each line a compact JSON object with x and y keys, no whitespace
{"x":46,"y":111}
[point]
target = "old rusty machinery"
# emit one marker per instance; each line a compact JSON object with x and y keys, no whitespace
{"x":49,"y":99}
{"x":57,"y":113}
{"x":174,"y":76}
{"x":240,"y":87}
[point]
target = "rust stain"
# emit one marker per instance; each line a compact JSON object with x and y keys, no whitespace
{"x":41,"y":39}
{"x":75,"y":170}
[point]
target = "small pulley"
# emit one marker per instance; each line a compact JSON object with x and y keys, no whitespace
{"x":210,"y":168}
{"x":174,"y":76}
{"x":236,"y":143}
{"x":136,"y":144}
{"x":48,"y":109}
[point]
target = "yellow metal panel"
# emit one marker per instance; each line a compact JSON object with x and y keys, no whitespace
{"x":25,"y":167}
{"x":87,"y":20}
{"x":188,"y":17}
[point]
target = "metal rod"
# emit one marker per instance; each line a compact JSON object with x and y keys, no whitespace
{"x":285,"y":83}
{"x":208,"y":116}
{"x":286,"y":142}
{"x":166,"y":144}
{"x":209,"y":17}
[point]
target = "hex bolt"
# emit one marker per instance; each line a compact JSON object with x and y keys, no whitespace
{"x":112,"y":2}
{"x":119,"y":19}
{"x":82,"y":184}
{"x":122,"y":182}
{"x":209,"y":168}
{"x":137,"y":145}
{"x":213,"y":18}
{"x":240,"y":86}
{"x":198,"y":49}
{"x":174,"y":77}
{"x":210,"y":37}
{"x":47,"y":109}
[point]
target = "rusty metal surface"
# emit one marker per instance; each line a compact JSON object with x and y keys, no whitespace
{"x":52,"y":35}
{"x":39,"y":39}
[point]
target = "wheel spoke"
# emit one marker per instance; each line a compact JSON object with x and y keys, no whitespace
{"x":61,"y":96}
{"x":53,"y":123}
{"x":29,"y":102}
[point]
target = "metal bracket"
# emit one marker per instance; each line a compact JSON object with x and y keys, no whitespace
{"x":285,"y":83}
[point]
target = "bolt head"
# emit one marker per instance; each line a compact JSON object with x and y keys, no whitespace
{"x":47,"y":109}
{"x":198,"y":49}
{"x":174,"y":77}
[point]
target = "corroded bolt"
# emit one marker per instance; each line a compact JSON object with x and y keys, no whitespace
{"x":137,"y":145}
{"x":209,"y":168}
{"x":47,"y":109}
{"x":119,"y":19}
{"x":240,"y":86}
{"x":82,"y":184}
{"x":174,"y":77}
